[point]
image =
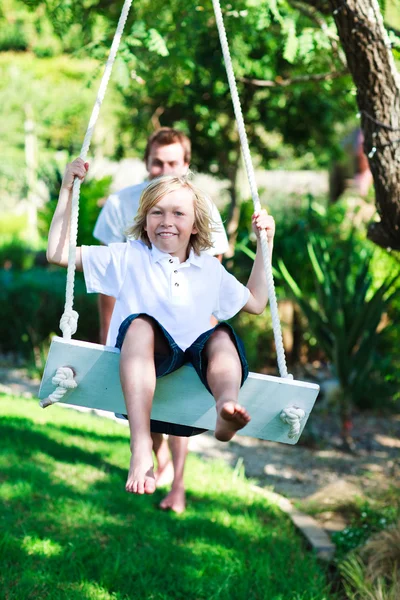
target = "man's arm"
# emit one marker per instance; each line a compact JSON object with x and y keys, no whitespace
{"x":106,"y":306}
{"x":109,"y":228}
{"x":213,"y":320}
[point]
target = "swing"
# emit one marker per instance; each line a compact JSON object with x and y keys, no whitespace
{"x":87,"y":374}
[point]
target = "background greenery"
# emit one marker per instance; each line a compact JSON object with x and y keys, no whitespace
{"x":169,"y":71}
{"x":70,"y":531}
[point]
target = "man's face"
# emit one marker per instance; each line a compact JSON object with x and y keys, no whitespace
{"x":166,"y":160}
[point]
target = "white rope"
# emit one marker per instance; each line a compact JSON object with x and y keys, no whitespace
{"x":69,"y":320}
{"x":293,"y":416}
{"x":64,"y":380}
{"x":276,"y":326}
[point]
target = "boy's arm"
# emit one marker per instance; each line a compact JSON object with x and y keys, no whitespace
{"x":257,"y":283}
{"x":58,"y":240}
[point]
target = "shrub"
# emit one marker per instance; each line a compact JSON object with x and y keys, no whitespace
{"x":257,"y":336}
{"x":12,"y":226}
{"x":91,"y":193}
{"x":367,"y":521}
{"x":16,"y":254}
{"x":345,"y":313}
{"x":32,"y":304}
{"x":359,"y":587}
{"x":13,"y":37}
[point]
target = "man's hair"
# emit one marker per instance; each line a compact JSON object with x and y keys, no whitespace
{"x":166,"y":136}
{"x":155,"y":191}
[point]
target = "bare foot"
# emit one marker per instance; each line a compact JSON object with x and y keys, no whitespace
{"x":164,"y":473}
{"x":175,"y":501}
{"x":141,"y":478}
{"x":230,"y":418}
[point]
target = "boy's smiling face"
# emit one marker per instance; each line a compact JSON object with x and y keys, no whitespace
{"x":170,"y":223}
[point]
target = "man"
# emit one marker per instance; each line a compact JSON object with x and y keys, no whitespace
{"x":168,"y":151}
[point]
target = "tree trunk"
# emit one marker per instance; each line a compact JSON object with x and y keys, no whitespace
{"x":371,"y":64}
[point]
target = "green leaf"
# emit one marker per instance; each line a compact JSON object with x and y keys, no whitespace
{"x":155,"y":43}
{"x":291,"y":43}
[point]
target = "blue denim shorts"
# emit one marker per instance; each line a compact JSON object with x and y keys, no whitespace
{"x":176,"y":358}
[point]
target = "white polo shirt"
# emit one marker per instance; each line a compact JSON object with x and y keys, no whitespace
{"x":119,"y":211}
{"x":181,"y":296}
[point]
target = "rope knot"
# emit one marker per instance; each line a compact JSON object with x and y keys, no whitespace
{"x":292,"y":416}
{"x":64,"y":380}
{"x":69,"y":322}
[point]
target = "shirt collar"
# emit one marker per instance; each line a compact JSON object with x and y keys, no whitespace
{"x":194,"y":259}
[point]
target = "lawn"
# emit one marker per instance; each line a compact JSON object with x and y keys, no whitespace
{"x":70,"y":531}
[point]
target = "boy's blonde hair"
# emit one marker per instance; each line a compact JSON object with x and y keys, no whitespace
{"x":155,"y":191}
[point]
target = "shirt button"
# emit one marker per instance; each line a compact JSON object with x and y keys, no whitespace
{"x":175,"y":271}
{"x":170,"y":260}
{"x":177,"y":284}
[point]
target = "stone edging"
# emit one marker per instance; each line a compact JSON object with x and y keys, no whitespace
{"x":309,"y":527}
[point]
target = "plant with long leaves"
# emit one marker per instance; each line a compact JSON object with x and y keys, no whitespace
{"x":345,"y":313}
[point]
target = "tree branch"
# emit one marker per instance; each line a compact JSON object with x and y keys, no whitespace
{"x":321,"y":5}
{"x":316,"y":17}
{"x":280,"y":82}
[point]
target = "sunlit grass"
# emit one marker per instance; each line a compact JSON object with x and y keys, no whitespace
{"x":70,"y":531}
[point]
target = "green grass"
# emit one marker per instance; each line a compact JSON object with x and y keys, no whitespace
{"x":68,"y":529}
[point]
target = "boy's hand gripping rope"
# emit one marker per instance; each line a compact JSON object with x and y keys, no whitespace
{"x":257,"y":206}
{"x":69,"y":319}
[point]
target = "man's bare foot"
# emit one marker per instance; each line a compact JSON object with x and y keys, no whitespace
{"x":175,"y":500}
{"x":230,"y":418}
{"x":164,"y":473}
{"x":165,"y":470}
{"x":141,"y":478}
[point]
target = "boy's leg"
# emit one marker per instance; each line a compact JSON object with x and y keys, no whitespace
{"x":224,"y":376}
{"x":176,"y":498}
{"x":138,"y":380}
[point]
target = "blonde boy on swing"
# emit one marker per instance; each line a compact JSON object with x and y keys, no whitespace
{"x":166,"y":290}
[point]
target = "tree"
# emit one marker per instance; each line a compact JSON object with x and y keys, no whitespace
{"x":290,"y":66}
{"x":370,"y":60}
{"x":170,"y":71}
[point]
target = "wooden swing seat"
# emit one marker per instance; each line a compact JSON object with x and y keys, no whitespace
{"x":180,"y":397}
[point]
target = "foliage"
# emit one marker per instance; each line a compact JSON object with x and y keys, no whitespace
{"x":346,"y":310}
{"x":257,"y":336}
{"x":12,"y":226}
{"x":373,"y":572}
{"x":93,"y":540}
{"x":92,"y":193}
{"x":367,"y":521}
{"x":13,"y":38}
{"x":179,"y":76}
{"x":367,"y":551}
{"x":358,"y":587}
{"x":59,"y":92}
{"x":33,"y":302}
{"x":189,"y":87}
{"x":16,"y":254}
